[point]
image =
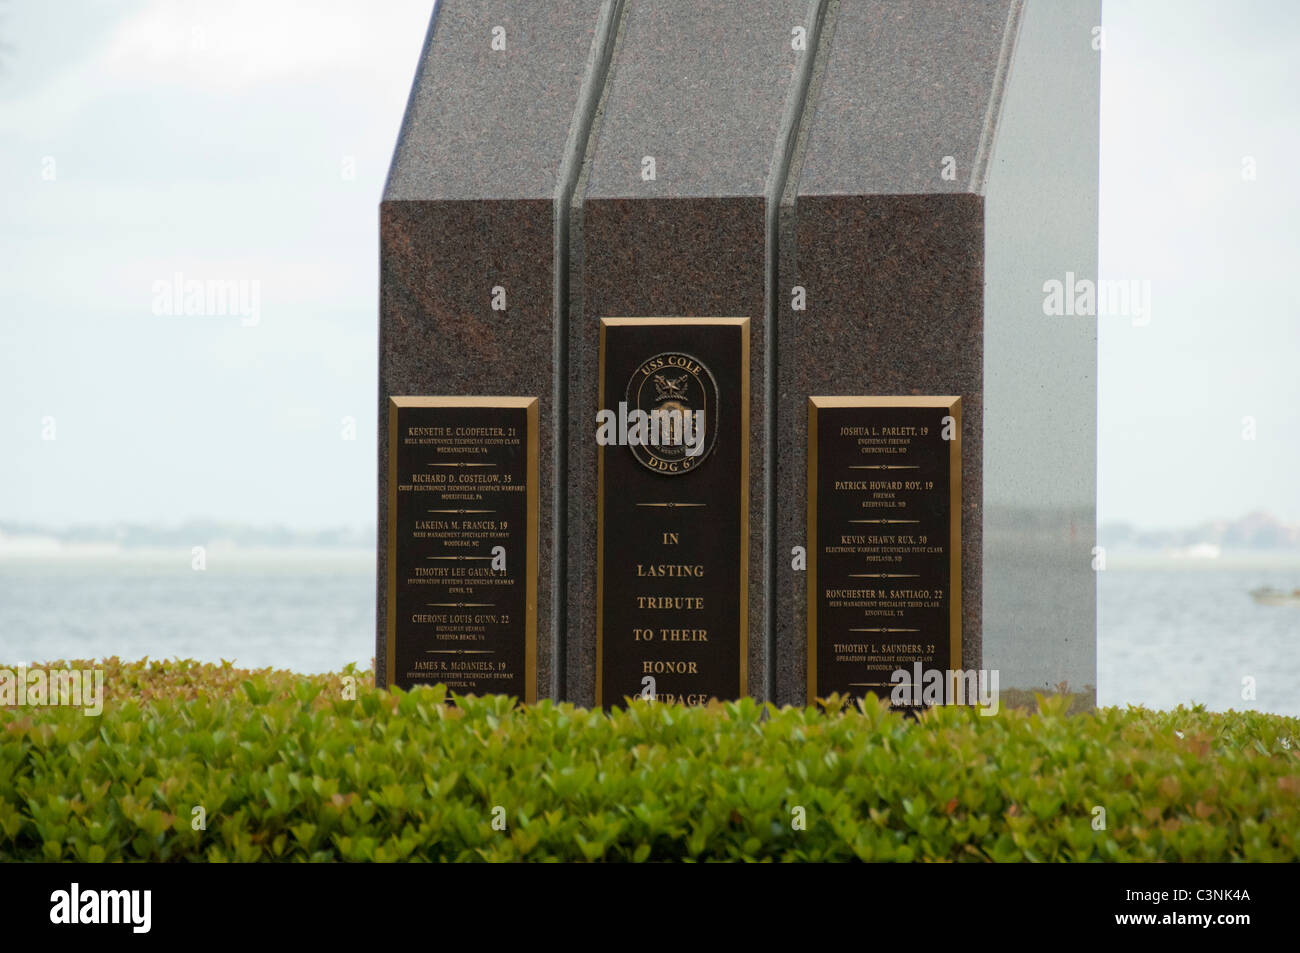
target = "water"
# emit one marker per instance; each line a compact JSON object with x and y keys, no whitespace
{"x":1168,"y":633}
{"x":306,"y":611}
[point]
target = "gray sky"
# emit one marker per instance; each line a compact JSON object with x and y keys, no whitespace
{"x":143,"y":139}
{"x":1188,"y":90}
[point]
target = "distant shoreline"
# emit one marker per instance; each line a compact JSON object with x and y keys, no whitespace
{"x":52,"y":551}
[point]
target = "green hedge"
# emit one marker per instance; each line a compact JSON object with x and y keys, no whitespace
{"x":285,"y":767}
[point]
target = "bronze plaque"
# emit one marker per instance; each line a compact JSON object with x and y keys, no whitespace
{"x":884,"y":541}
{"x":672,"y":568}
{"x":462,"y":544}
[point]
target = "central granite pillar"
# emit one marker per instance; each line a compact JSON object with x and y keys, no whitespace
{"x":673,"y":217}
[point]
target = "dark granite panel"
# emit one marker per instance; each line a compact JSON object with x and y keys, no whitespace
{"x":438,"y":335}
{"x":905,"y":85}
{"x":489,"y":150}
{"x":895,"y":288}
{"x":489,"y":124}
{"x":646,"y":258}
{"x":889,"y":250}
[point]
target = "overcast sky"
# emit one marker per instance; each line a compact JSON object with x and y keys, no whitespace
{"x":250,"y":140}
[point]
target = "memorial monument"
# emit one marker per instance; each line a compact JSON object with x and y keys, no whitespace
{"x":712,"y":355}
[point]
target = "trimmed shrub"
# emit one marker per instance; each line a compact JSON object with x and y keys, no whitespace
{"x":279,"y":766}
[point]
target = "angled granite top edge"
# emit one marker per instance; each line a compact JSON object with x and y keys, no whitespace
{"x":484,"y":123}
{"x":705,"y":90}
{"x":908,"y":100}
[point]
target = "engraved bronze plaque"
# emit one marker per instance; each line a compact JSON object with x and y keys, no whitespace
{"x":884,"y":541}
{"x":462,"y":544}
{"x":672,"y":548}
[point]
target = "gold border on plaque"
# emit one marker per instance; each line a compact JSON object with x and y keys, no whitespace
{"x":531,"y":474}
{"x":743,"y":324}
{"x":953,"y":406}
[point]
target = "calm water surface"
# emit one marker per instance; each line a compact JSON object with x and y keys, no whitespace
{"x":1166,"y":634}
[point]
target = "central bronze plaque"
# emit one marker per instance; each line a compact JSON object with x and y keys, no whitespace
{"x":673,"y":509}
{"x":884,"y":541}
